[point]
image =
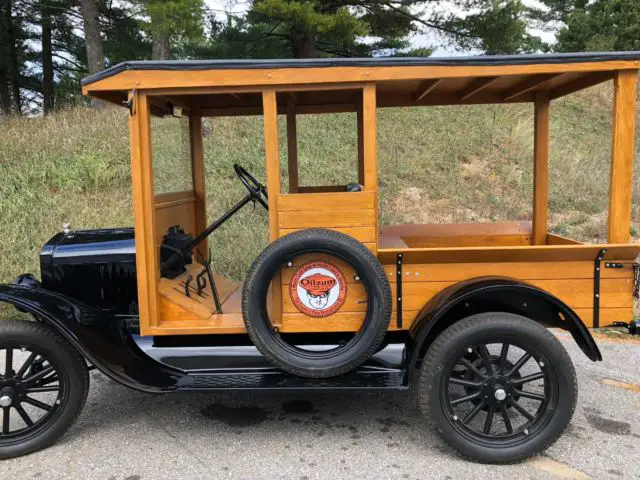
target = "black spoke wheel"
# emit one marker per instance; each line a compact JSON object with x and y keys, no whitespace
{"x":501,"y":387}
{"x":43,"y":387}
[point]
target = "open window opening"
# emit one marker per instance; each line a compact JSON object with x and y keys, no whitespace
{"x":321,"y":138}
{"x":456,"y":176}
{"x":205,"y":183}
{"x":580,"y":164}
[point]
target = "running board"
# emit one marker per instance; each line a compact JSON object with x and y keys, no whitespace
{"x":242,"y":367}
{"x":364,"y":379}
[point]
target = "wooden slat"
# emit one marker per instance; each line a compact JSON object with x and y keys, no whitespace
{"x":553,"y":239}
{"x":338,"y":322}
{"x":488,"y":240}
{"x":540,"y":170}
{"x":607,"y":315}
{"x":622,"y":153}
{"x":175,"y":203}
{"x":326,"y":201}
{"x":477,"y":86}
{"x":171,"y":311}
{"x":215,"y":324}
{"x":455,"y":235}
{"x":324,"y":219}
{"x":321,"y":188}
{"x":518,"y":270}
{"x":426,"y":87}
{"x":292,"y":146}
{"x":171,"y":198}
{"x":527,"y":85}
{"x":362,"y":234}
{"x":147,"y":266}
{"x":533,"y":253}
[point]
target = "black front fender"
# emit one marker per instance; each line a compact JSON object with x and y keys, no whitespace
{"x":496,"y":294}
{"x":99,"y":336}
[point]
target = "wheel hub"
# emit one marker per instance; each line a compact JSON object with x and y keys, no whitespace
{"x":499,"y":394}
{"x":6,"y":397}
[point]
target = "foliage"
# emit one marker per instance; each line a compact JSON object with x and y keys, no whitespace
{"x":493,"y":27}
{"x":174,"y":21}
{"x":596,"y":25}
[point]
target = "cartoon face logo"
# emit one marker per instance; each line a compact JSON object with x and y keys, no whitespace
{"x":318,"y":289}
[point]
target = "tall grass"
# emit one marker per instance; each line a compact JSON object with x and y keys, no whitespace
{"x":441,"y":164}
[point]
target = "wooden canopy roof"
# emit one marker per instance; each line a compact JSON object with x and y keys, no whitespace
{"x":233,"y":87}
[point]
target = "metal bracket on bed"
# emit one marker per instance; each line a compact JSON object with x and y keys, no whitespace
{"x":399,"y":291}
{"x":596,"y":287}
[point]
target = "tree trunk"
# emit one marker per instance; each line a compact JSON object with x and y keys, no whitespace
{"x":47,"y":61}
{"x":161,"y":49}
{"x":92,"y":37}
{"x":5,"y":95}
{"x":14,"y":69}
{"x":303,"y":45}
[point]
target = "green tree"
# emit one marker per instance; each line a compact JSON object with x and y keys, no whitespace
{"x":602,"y":25}
{"x":172,"y":22}
{"x":491,"y":27}
{"x":312,"y":28}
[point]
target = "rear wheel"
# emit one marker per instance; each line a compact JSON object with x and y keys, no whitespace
{"x":498,"y":387}
{"x":43,"y":387}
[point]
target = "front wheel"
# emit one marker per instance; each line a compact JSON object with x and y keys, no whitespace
{"x":498,"y":387}
{"x":43,"y":387}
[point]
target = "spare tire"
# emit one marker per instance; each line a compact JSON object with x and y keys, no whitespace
{"x":347,"y":355}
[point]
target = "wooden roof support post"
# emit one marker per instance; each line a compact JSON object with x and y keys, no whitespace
{"x":540,"y":170}
{"x":360,"y":132}
{"x":272,"y":153}
{"x":622,"y":152}
{"x":370,"y":147}
{"x":147,"y":267}
{"x":197,"y":172}
{"x":292,"y":146}
{"x":370,"y":137}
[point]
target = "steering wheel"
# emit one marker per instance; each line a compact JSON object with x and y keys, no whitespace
{"x":257,"y":190}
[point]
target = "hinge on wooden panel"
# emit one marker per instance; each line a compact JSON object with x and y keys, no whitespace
{"x":596,"y":287}
{"x":613,"y":265}
{"x":130,"y":104}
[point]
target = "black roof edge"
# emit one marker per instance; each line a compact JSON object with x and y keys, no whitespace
{"x":482,"y":60}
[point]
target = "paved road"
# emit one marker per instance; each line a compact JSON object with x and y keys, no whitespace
{"x":123,"y":434}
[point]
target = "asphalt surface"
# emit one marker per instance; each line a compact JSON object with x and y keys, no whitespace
{"x":123,"y":434}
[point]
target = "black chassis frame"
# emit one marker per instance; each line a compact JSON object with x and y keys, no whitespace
{"x":161,"y":364}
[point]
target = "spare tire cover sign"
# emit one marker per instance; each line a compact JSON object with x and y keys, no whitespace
{"x":318,"y":289}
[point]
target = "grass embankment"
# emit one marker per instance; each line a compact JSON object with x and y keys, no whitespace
{"x":449,"y":164}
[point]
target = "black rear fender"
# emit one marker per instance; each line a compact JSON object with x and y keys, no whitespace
{"x":99,"y":336}
{"x":491,"y":294}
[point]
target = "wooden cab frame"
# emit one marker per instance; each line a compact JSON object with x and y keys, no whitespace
{"x":433,"y":257}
